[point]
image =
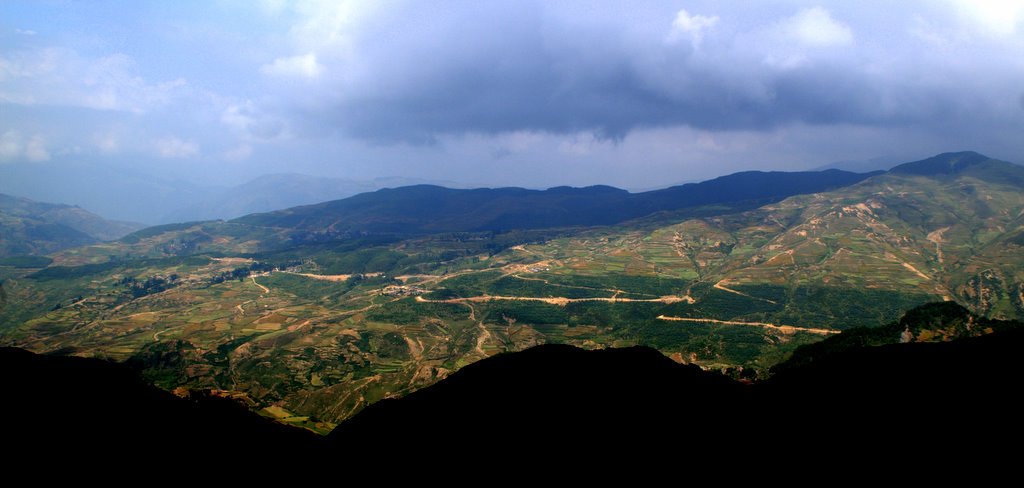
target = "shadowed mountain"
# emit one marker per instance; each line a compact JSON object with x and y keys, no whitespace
{"x":561,"y":399}
{"x":552,"y":404}
{"x":30,"y":227}
{"x":431,"y":209}
{"x":84,"y":411}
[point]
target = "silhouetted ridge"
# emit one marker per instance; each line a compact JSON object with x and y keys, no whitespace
{"x":552,"y":397}
{"x":553,"y":400}
{"x":552,"y":404}
{"x":935,"y":321}
{"x":90,"y":410}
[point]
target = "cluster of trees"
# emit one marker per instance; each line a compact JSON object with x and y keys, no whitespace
{"x":153,"y":284}
{"x":242,"y":272}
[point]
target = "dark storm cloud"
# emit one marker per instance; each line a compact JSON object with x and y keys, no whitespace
{"x":490,"y":68}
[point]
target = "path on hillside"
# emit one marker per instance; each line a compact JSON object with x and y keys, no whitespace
{"x":338,"y":277}
{"x":730,"y":290}
{"x":936,"y":237}
{"x":785,"y":329}
{"x":265,"y":289}
{"x":614,"y":291}
{"x":562,"y":301}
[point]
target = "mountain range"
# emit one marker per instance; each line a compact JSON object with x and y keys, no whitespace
{"x":310,"y":314}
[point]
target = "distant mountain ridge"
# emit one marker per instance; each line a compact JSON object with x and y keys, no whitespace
{"x":432,"y":209}
{"x":131,"y":193}
{"x":277,"y":191}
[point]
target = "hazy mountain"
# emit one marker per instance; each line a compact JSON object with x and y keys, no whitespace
{"x":134,"y":194}
{"x":120,"y":193}
{"x":863,"y":166}
{"x":30,"y":227}
{"x":273,"y":192}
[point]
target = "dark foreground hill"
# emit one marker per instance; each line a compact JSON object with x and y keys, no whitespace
{"x":889,"y":400}
{"x":552,"y":405}
{"x":96,"y":416}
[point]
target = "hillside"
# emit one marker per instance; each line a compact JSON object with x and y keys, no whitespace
{"x":310,"y":328}
{"x":28,"y":227}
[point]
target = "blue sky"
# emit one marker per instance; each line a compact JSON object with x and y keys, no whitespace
{"x":505,"y":93}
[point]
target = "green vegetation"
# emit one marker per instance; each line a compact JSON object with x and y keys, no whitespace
{"x":26,"y":261}
{"x":64,"y":273}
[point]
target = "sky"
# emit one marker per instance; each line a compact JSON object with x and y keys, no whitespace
{"x":505,"y":93}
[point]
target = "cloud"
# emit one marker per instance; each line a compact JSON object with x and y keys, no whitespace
{"x":173,"y":147}
{"x":690,"y":26}
{"x":35,"y":149}
{"x":247,"y":120}
{"x":109,"y":142}
{"x":15,"y":147}
{"x":992,"y":17}
{"x":10,"y":146}
{"x":63,"y":77}
{"x":240,"y":153}
{"x":816,"y":27}
{"x":353,"y":83}
{"x":415,"y":72}
{"x":303,"y":66}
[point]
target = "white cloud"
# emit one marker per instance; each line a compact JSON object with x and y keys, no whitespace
{"x":35,"y":149}
{"x":15,"y":147}
{"x":107,"y":143}
{"x":10,"y":146}
{"x":249,"y":122}
{"x":999,"y":17}
{"x":173,"y":147}
{"x":691,"y":26}
{"x":240,"y":153}
{"x":816,"y":27}
{"x":303,"y":66}
{"x":62,"y":77}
